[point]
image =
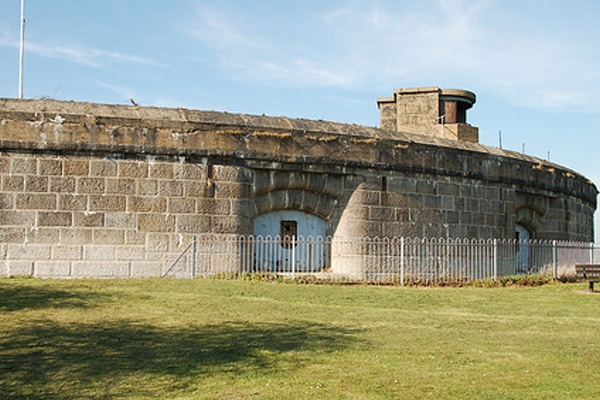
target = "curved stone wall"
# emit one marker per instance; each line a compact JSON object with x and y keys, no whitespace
{"x":99,"y":190}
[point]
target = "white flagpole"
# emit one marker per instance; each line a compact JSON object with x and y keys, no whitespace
{"x":22,"y":49}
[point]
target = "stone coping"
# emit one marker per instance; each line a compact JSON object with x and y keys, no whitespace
{"x":260,"y":141}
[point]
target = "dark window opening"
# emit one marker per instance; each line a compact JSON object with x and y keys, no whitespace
{"x":288,"y":232}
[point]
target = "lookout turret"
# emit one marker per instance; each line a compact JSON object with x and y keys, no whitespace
{"x":429,"y":111}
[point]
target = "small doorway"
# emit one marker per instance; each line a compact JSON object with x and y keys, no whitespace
{"x":290,"y":241}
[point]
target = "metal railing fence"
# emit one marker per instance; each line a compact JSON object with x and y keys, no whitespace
{"x":373,"y":259}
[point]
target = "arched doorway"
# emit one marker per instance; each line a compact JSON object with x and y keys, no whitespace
{"x":290,"y":241}
{"x":523,"y":249}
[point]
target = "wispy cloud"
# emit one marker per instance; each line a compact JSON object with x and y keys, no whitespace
{"x":82,"y":55}
{"x":124,"y":92}
{"x":378,"y":43}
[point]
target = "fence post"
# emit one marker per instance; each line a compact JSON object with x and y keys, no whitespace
{"x":554,"y":260}
{"x":193,"y":269}
{"x":402,"y":261}
{"x":293,"y":256}
{"x":495,"y":260}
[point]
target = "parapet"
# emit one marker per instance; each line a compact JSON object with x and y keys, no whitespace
{"x":430,"y":111}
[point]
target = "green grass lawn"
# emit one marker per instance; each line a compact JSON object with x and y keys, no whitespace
{"x":209,"y":339}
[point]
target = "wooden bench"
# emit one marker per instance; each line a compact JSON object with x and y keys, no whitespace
{"x":588,"y":272}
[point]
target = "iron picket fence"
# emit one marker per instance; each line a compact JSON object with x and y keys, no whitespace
{"x":378,"y":259}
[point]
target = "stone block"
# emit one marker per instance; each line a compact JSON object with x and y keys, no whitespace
{"x":447,"y":189}
{"x":19,"y":268}
{"x":401,"y":185}
{"x":478,"y":219}
{"x":67,"y":252}
{"x":62,"y":184}
{"x":425,"y":187}
{"x":133,"y":169}
{"x":179,"y":242}
{"x":465,"y":218}
{"x":91,"y":185}
{"x":131,"y":253}
{"x":13,"y":235}
{"x":4,"y":164}
{"x":134,"y":237}
{"x":88,"y":219}
{"x":103,"y":168}
{"x":49,"y":235}
{"x":108,"y":236}
{"x":432,"y":202}
{"x":452,"y":217}
{"x":156,"y":223}
{"x":38,"y":201}
{"x":465,"y":190}
{"x":213,"y":206}
{"x":99,"y":269}
{"x":473,"y":205}
{"x":52,"y":166}
{"x":23,"y":166}
{"x":157,"y":243}
{"x":369,"y":198}
{"x":231,"y":174}
{"x":416,"y":201}
{"x":123,"y":220}
{"x":402,"y":215}
{"x":170,"y":188}
{"x":122,"y":186}
{"x":99,"y":252}
{"x":147,"y":204}
{"x":196,"y":189}
{"x":75,"y":235}
{"x":28,"y":252}
{"x":52,"y":269}
{"x":146,"y":269}
{"x":448,"y":203}
{"x":71,"y":202}
{"x":381,"y":214}
{"x":7,"y":201}
{"x":36,"y":183}
{"x":194,"y":172}
{"x":107,"y":203}
{"x":147,"y":187}
{"x":223,"y":224}
{"x":13,"y":183}
{"x":17,"y":218}
{"x":155,"y":256}
{"x":161,"y":171}
{"x":57,"y":218}
{"x":181,"y":206}
{"x":226,"y":190}
{"x":191,"y":223}
{"x":76,"y":167}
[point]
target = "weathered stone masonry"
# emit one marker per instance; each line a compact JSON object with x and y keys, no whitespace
{"x":98,"y":190}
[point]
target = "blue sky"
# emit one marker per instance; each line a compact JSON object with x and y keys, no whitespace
{"x":534,"y":64}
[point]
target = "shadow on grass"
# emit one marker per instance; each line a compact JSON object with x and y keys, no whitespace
{"x":108,"y":359}
{"x":15,"y":298}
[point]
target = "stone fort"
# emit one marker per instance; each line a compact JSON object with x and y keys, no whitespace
{"x":117,"y":191}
